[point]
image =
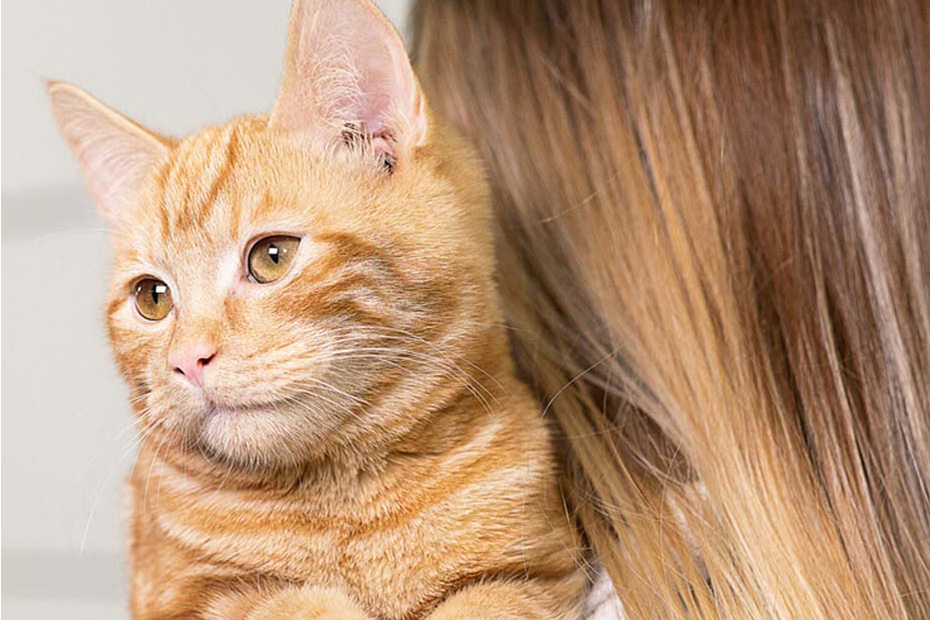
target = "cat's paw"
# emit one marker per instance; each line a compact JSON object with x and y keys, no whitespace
{"x":311,"y":603}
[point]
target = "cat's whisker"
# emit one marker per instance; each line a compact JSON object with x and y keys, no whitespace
{"x":131,"y":424}
{"x":229,"y":469}
{"x":321,"y":383}
{"x":306,"y":406}
{"x":406,"y":335}
{"x":435,"y":347}
{"x":426,"y":357}
{"x":137,"y":440}
{"x":335,"y":404}
{"x":171,"y":431}
{"x":164,"y":440}
{"x":466,"y":381}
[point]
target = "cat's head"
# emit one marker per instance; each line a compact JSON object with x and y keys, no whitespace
{"x":287,"y":285}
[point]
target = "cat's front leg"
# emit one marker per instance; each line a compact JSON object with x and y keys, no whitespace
{"x":308,"y":603}
{"x":294,"y":603}
{"x":555,"y":599}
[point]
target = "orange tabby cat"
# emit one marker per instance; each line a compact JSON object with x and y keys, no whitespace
{"x":304,"y":309}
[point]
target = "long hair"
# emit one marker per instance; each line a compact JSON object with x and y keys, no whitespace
{"x":714,"y":245}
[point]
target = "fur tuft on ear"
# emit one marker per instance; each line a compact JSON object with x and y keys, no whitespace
{"x":114,"y":153}
{"x":346,"y":73}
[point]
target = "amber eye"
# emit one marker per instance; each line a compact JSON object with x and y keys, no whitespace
{"x":153,"y":299}
{"x":270,"y":258}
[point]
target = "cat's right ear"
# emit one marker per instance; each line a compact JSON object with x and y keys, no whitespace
{"x":114,"y":153}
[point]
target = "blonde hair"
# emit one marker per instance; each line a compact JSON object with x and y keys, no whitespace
{"x":714,"y":235}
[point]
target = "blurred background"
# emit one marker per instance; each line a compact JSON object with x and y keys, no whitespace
{"x":67,"y":437}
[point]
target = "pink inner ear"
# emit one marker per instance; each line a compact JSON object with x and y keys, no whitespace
{"x":114,"y":153}
{"x":347,"y":68}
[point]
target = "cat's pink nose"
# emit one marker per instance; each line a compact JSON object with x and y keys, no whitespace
{"x":190,"y":361}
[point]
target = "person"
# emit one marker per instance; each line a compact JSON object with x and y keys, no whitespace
{"x":713,"y":227}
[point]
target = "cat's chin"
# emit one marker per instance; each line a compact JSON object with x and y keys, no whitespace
{"x":260,"y":436}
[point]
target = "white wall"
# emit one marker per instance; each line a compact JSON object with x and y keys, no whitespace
{"x":67,"y":436}
{"x":173,"y":65}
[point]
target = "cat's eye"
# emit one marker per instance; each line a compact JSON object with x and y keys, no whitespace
{"x":270,"y":258}
{"x":153,"y":299}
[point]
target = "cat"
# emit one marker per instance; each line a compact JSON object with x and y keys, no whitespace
{"x":304,"y":309}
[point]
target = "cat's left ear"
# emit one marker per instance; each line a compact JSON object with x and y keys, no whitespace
{"x":347,"y":74}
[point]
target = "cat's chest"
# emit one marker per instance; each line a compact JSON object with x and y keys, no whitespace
{"x":395,"y":553}
{"x":398,"y":543}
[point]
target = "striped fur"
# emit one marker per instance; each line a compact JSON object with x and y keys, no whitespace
{"x":424,"y":471}
{"x":362,"y":447}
